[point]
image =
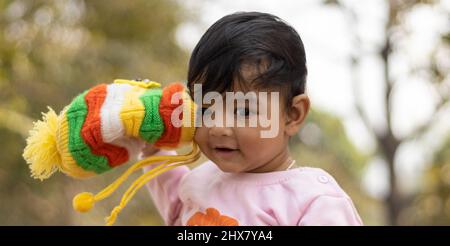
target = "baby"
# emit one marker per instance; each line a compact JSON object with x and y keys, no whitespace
{"x":250,"y":177}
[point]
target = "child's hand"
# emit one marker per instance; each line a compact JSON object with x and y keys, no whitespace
{"x":149,"y":150}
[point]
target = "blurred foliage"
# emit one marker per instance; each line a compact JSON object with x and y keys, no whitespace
{"x":435,"y":72}
{"x":432,"y":205}
{"x":49,"y":52}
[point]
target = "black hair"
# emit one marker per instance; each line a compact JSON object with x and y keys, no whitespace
{"x":254,"y":38}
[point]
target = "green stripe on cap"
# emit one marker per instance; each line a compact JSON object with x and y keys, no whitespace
{"x":76,"y":115}
{"x":152,"y":126}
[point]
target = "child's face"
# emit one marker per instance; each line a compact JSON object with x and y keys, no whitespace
{"x":242,"y":149}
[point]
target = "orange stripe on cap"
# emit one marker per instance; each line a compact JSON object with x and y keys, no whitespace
{"x":91,"y":131}
{"x":171,"y":135}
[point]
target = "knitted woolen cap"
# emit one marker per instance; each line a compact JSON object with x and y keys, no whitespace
{"x":107,"y":126}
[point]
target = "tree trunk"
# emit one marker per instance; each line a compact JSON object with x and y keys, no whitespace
{"x":389,"y":146}
{"x":388,"y":143}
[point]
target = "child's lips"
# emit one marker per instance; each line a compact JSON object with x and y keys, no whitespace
{"x":225,"y":153}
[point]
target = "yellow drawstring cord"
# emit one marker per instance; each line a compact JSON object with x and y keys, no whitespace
{"x":142,"y":180}
{"x":84,"y":201}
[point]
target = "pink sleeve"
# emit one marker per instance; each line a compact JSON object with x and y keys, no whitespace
{"x":164,"y":190}
{"x":331,"y":211}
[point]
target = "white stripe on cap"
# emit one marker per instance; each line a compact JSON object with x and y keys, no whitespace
{"x":112,"y":127}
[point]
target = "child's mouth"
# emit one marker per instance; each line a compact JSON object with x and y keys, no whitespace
{"x":225,"y":149}
{"x":225,"y":152}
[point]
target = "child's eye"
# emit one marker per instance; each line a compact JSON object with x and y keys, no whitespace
{"x":206,"y":111}
{"x":243,"y":112}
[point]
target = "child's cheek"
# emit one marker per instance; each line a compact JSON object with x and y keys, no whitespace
{"x":197,"y":135}
{"x":247,"y":136}
{"x":200,"y":136}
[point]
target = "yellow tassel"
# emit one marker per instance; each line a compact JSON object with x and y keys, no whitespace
{"x":41,"y":152}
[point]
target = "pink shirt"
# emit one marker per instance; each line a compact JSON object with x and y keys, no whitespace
{"x":208,"y":196}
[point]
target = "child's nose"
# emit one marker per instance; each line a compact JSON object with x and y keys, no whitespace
{"x":220,"y":131}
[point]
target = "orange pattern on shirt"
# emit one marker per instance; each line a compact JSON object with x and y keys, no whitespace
{"x":211,"y":218}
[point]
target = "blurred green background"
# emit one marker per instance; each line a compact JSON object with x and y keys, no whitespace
{"x":52,"y":50}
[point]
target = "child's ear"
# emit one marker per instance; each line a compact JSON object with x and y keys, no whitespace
{"x":296,"y":114}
